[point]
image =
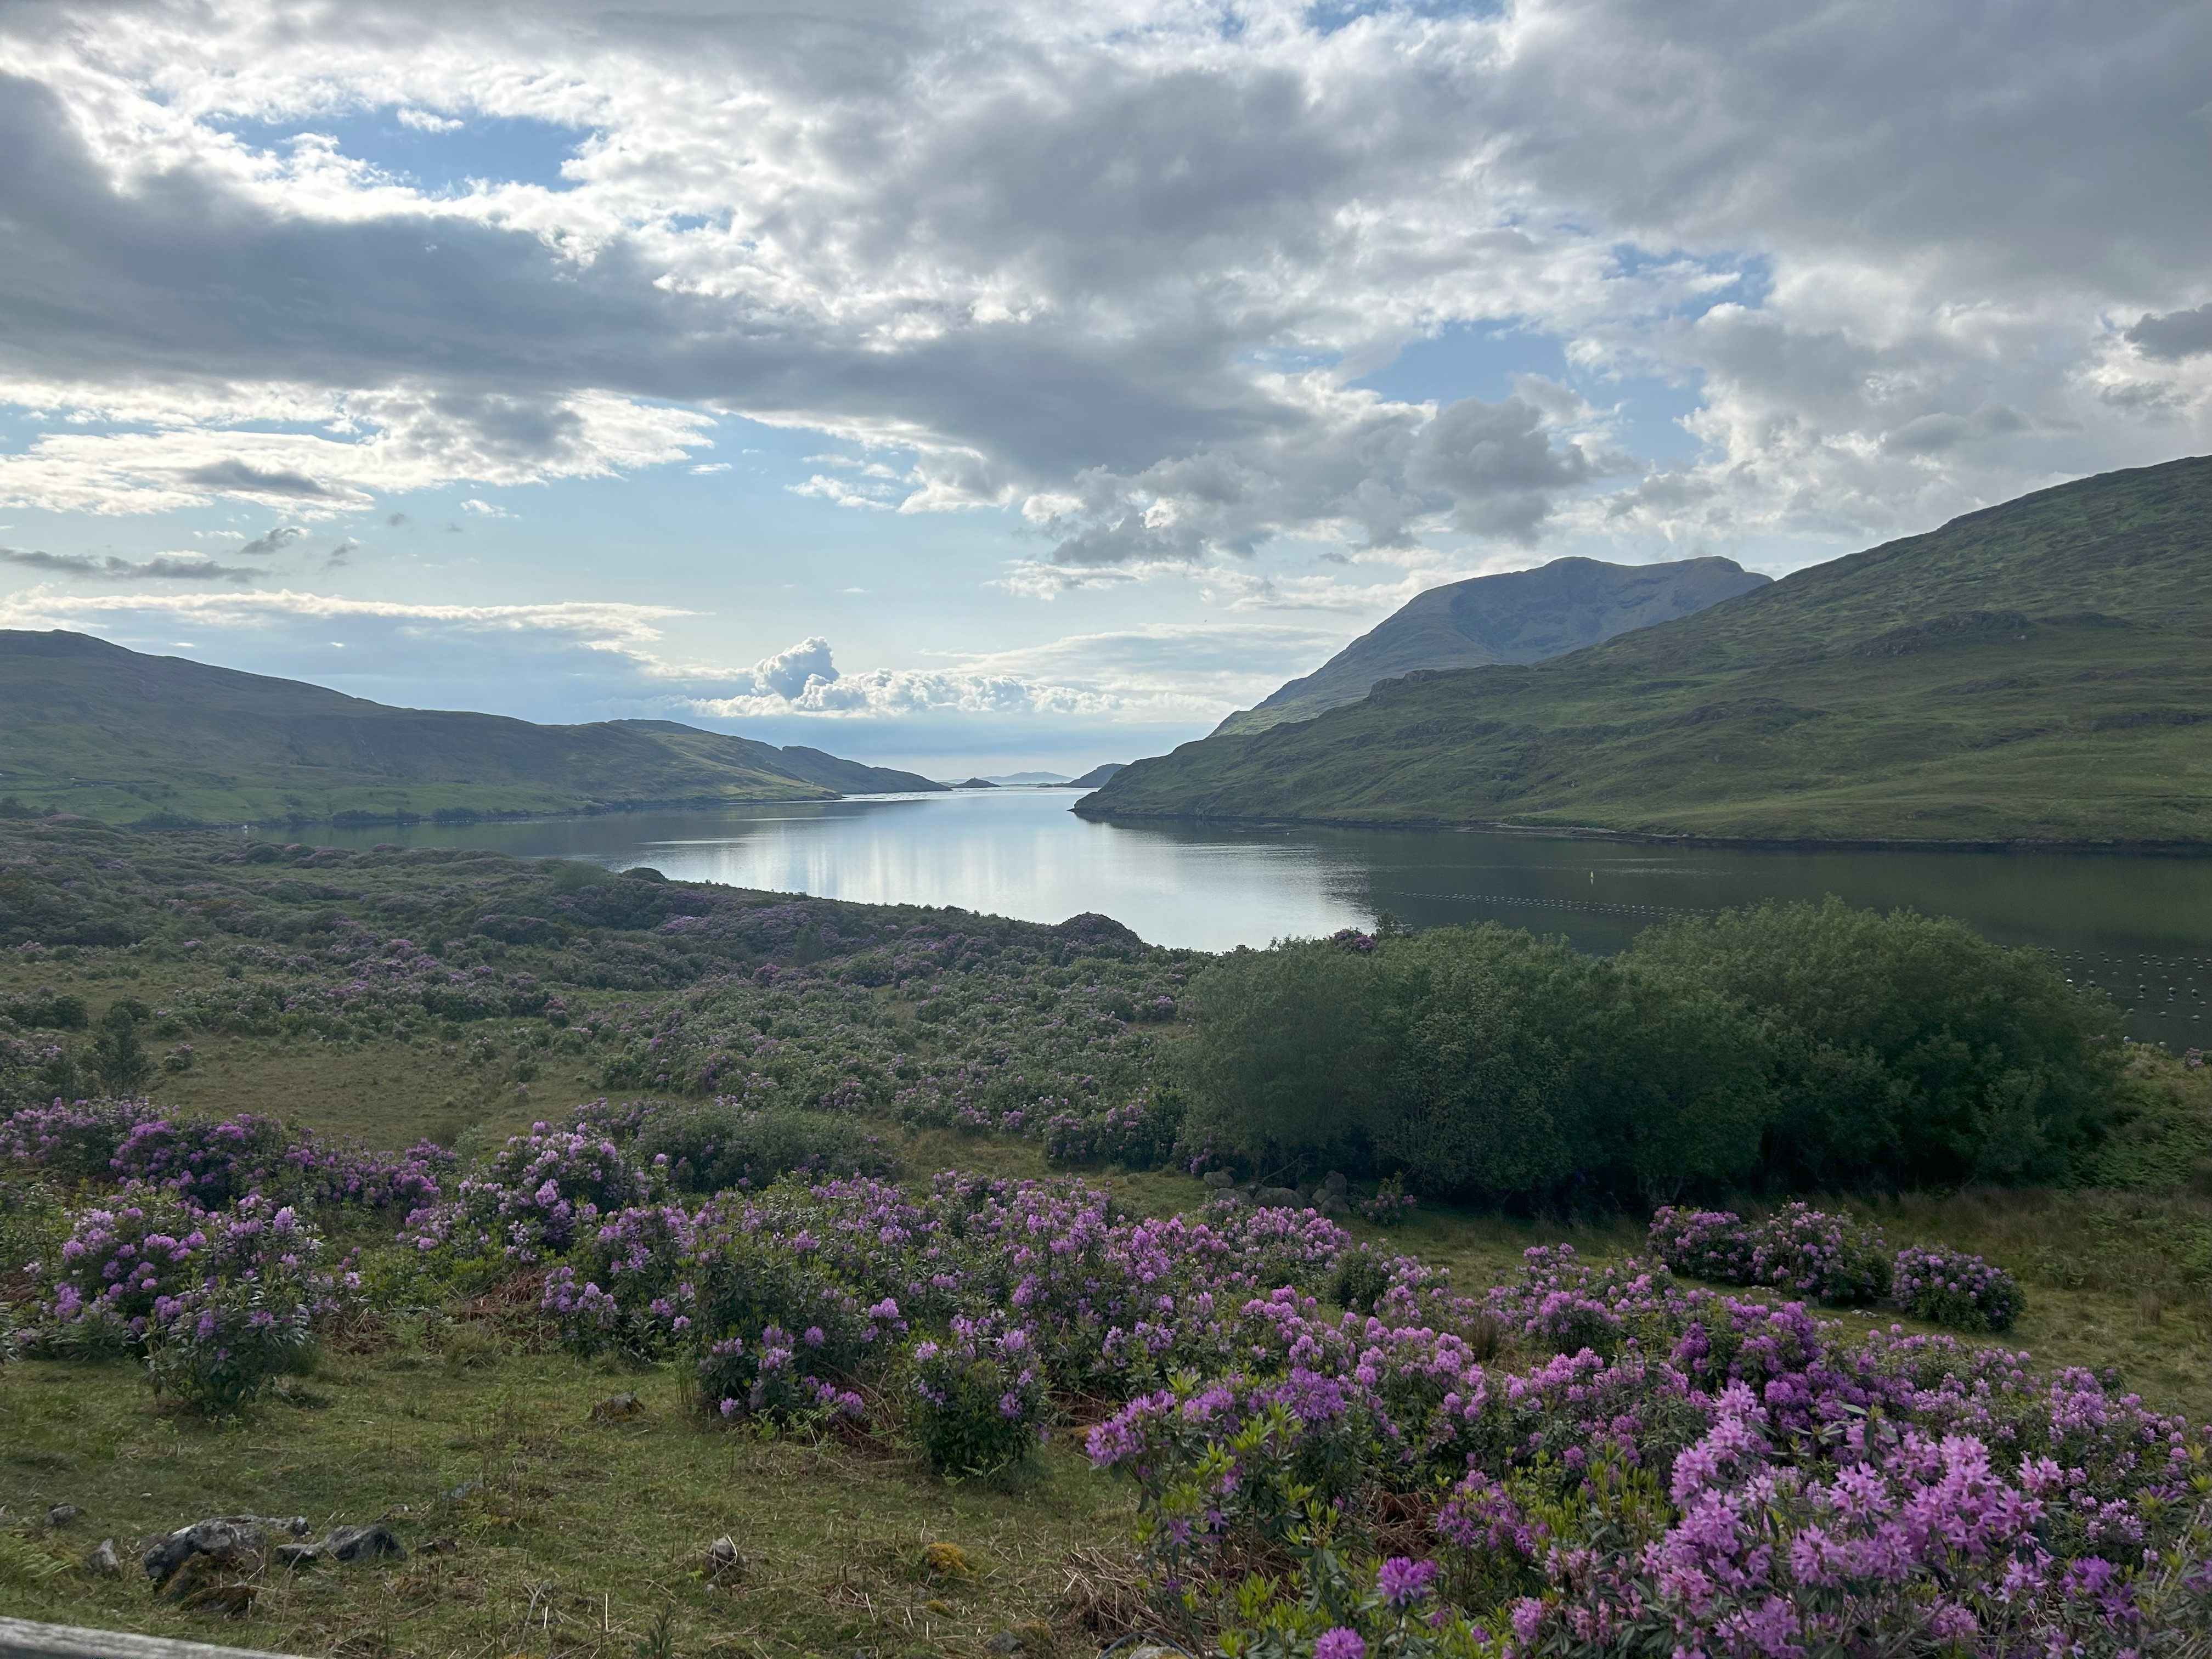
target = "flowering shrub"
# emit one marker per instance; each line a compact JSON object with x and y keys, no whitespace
{"x":1704,"y":1244}
{"x":1139,"y":1133}
{"x":214,"y":1161}
{"x":975,"y":1399}
{"x":1946,"y":1287}
{"x":219,"y":1303}
{"x":217,"y":1347}
{"x":1561,"y":1303}
{"x":115,"y":1268}
{"x":1912,"y":1543}
{"x":1835,"y":1258}
{"x":1798,"y":1249}
{"x":536,"y":1196}
{"x":1388,"y":1205}
{"x":1736,"y":1475}
{"x":724,"y":1146}
{"x":638,"y":1255}
{"x":778,"y":1326}
{"x":72,"y":1140}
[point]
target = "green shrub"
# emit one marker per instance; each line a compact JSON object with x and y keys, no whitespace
{"x":1292,"y":1048}
{"x":975,"y":1399}
{"x":1780,"y":1047}
{"x":222,"y":1346}
{"x":722,"y":1145}
{"x":1480,"y":1062}
{"x":1908,"y":1048}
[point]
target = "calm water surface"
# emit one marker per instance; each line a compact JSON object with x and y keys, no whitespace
{"x":2139,"y":927}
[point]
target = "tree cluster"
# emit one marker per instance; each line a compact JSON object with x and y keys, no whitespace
{"x":1779,"y":1049}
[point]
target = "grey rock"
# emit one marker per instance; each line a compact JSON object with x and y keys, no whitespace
{"x":724,"y":1560}
{"x":1278,"y":1198}
{"x":350,"y":1544}
{"x":465,"y":1491}
{"x":1218,"y":1179}
{"x":102,"y":1562}
{"x":235,"y":1542}
{"x":62,"y":1514}
{"x":1334,"y":1205}
{"x":1335,"y":1182}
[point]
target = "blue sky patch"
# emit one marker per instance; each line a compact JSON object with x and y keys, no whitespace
{"x":498,"y":149}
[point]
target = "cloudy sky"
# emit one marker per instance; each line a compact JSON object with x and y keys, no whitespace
{"x":995,"y":386}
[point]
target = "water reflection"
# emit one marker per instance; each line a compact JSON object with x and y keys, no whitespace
{"x":2139,"y":927}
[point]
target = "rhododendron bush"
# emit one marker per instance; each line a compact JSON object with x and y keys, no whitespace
{"x":1837,"y":1260}
{"x":1714,"y":1476}
{"x":1334,"y":1451}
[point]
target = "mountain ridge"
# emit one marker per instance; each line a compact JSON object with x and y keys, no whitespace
{"x":2030,"y":673}
{"x":1516,"y":615}
{"x":95,"y":728}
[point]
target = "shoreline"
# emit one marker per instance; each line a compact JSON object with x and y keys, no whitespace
{"x":1651,"y":837}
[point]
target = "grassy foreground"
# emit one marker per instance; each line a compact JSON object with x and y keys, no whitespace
{"x":536,"y":1528}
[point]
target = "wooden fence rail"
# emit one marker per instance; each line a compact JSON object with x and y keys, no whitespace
{"x":21,"y":1638}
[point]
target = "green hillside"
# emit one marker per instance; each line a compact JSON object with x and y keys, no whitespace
{"x":2035,"y":671}
{"x":90,"y":727}
{"x":1521,"y":616}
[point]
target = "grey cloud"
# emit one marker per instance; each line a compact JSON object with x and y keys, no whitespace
{"x":274,"y":540}
{"x":1155,"y":223}
{"x":242,"y":478}
{"x":341,"y":555}
{"x":1122,"y":540}
{"x":1931,"y":435}
{"x":161,"y":568}
{"x":1497,"y":463}
{"x":2020,"y":144}
{"x":2176,"y":335}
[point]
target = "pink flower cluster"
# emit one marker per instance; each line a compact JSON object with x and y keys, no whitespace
{"x":128,"y":1269}
{"x":1949,"y":1287}
{"x":537,"y":1195}
{"x":1837,"y":1260}
{"x":215,"y":1161}
{"x":1734,"y":1478}
{"x":1798,"y":1249}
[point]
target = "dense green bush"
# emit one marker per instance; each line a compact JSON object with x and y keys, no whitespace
{"x":1776,"y":1047}
{"x":720,"y":1145}
{"x":1907,"y":1048}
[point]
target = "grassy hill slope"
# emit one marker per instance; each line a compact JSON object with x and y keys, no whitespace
{"x":2035,"y":671}
{"x":1521,"y":616}
{"x":90,"y":727}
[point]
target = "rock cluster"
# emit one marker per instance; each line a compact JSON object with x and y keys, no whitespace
{"x":1331,"y":1195}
